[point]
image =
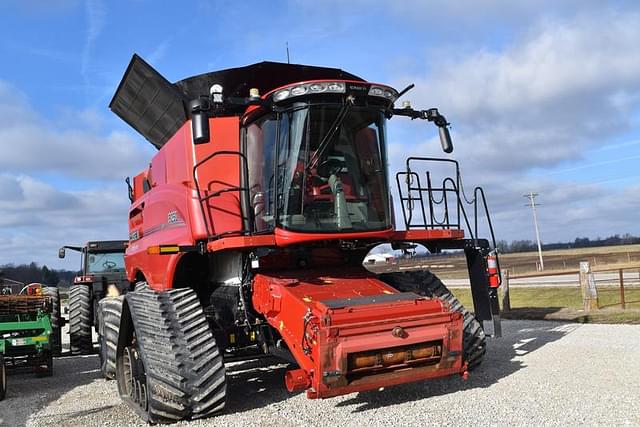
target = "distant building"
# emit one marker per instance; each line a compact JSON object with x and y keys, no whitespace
{"x":379,"y":259}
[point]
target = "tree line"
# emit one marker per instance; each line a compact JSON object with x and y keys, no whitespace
{"x":33,"y":273}
{"x":579,"y":242}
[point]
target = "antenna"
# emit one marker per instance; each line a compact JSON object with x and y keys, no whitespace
{"x":288,"y":61}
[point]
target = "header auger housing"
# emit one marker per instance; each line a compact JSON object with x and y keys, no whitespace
{"x":247,"y":236}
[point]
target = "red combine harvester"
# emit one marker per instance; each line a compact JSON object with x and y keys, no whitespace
{"x":248,"y":231}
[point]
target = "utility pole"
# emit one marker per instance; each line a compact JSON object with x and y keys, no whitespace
{"x":532,"y":202}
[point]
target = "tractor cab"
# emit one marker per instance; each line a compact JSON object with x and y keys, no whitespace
{"x":316,"y":161}
{"x":102,"y":264}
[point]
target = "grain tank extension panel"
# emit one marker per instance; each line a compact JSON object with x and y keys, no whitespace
{"x":156,"y":108}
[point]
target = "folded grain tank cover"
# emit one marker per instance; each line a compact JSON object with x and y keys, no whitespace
{"x":156,"y":108}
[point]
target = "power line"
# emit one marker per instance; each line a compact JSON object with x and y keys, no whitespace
{"x":532,"y":202}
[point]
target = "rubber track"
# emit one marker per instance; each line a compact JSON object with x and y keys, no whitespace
{"x":80,"y":307}
{"x":56,"y":328}
{"x":427,"y":284}
{"x":188,"y":382}
{"x":141,"y":287}
{"x":110,"y":312}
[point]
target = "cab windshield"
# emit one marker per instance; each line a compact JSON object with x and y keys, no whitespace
{"x":105,"y":262}
{"x":319,"y":168}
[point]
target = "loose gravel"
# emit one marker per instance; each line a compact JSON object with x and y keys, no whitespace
{"x":539,"y":373}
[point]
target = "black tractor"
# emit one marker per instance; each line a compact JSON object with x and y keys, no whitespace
{"x":102,"y":271}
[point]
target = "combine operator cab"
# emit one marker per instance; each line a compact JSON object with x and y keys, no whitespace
{"x":249,"y":228}
{"x":101,"y":269}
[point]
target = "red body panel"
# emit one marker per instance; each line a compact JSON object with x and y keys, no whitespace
{"x":171,"y":213}
{"x":327,"y":320}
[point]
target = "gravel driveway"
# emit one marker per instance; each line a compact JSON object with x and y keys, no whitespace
{"x":539,"y":373}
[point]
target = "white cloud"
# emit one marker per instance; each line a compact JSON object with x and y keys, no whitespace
{"x":36,"y":218}
{"x":72,"y":146}
{"x":564,"y":87}
{"x":42,"y":161}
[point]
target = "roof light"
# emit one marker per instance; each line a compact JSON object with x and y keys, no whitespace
{"x":299,"y":90}
{"x":383,"y":92}
{"x":281,"y":94}
{"x":308,"y":88}
{"x":318,"y":87}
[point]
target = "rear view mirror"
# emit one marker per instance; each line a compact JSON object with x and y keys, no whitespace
{"x":445,"y":139}
{"x":199,"y":120}
{"x":61,"y":253}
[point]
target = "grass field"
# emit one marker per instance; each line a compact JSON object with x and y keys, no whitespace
{"x":565,"y":303}
{"x":454,"y":266}
{"x":561,"y":303}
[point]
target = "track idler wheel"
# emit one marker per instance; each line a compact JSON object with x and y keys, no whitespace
{"x":135,"y":377}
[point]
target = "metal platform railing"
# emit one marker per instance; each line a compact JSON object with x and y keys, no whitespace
{"x":440,"y":207}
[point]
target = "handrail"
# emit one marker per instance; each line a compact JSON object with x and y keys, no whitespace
{"x":246,"y":219}
{"x":439,"y":197}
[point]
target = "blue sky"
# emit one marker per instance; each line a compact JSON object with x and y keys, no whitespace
{"x":541,"y":96}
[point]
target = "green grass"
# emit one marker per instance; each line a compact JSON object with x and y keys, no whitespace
{"x":565,"y":302}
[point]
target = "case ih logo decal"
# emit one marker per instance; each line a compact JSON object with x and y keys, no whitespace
{"x":172,"y":217}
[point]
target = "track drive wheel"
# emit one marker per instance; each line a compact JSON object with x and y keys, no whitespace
{"x":109,"y":312}
{"x":3,"y":378}
{"x":427,"y":284}
{"x":170,"y":368}
{"x":80,"y":315}
{"x":56,"y":320}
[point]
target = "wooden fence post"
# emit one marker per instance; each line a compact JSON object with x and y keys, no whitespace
{"x":588,"y":287}
{"x":506,"y":302}
{"x":622,"y":289}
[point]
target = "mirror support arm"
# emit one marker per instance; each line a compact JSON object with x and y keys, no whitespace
{"x":432,"y":115}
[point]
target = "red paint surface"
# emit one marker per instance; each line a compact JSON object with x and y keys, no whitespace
{"x":286,"y":298}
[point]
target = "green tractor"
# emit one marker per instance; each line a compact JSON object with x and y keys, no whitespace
{"x":29,"y":333}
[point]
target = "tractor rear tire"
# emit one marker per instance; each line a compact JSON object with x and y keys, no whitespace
{"x":55,"y":339}
{"x":171,"y":368}
{"x":80,"y":317}
{"x":427,"y":284}
{"x":109,"y":312}
{"x":3,"y":378}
